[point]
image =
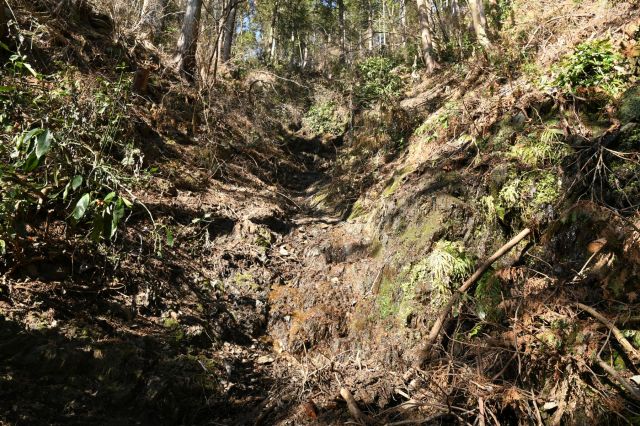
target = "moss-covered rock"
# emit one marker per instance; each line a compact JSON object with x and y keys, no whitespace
{"x":629,"y":106}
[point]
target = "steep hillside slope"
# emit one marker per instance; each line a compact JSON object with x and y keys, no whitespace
{"x":500,"y":149}
{"x":159,"y":320}
{"x":239,"y":254}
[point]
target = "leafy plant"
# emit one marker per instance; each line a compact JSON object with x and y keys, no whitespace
{"x":592,"y":64}
{"x":377,"y":81}
{"x":323,"y":118}
{"x":532,"y":195}
{"x":446,"y":264}
{"x":487,"y":296}
{"x":535,"y":150}
{"x":70,"y":166}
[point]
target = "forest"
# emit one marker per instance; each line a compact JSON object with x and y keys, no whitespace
{"x":319,"y":212}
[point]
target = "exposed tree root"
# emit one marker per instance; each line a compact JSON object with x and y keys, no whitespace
{"x":354,"y":410}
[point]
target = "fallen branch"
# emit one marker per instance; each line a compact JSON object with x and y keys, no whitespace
{"x":631,"y":352}
{"x":425,"y":352}
{"x":354,"y":410}
{"x":633,"y":390}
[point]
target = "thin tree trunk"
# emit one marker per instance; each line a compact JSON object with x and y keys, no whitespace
{"x":441,"y":24}
{"x":343,"y":31}
{"x":152,"y":18}
{"x":403,"y":22}
{"x":425,"y":36}
{"x":479,"y":22}
{"x":301,"y":52}
{"x":384,"y":25}
{"x":185,"y":56}
{"x":229,"y":32}
{"x":370,"y":32}
{"x":273,"y":40}
{"x":455,"y":17}
{"x":214,"y":58}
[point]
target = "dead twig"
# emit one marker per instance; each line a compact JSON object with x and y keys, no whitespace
{"x":446,"y":310}
{"x":626,"y":346}
{"x":418,"y":422}
{"x":629,"y":387}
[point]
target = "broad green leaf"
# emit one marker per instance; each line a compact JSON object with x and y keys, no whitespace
{"x":76,"y":182}
{"x":3,"y":247}
{"x":110,"y":196}
{"x":7,"y":89}
{"x":30,"y":69}
{"x":31,"y":162}
{"x":126,"y":202}
{"x":66,"y":191}
{"x":43,"y":143}
{"x":98,"y":227}
{"x":23,"y":142}
{"x":170,"y":238}
{"x":116,"y":217}
{"x":81,"y":207}
{"x":30,"y":134}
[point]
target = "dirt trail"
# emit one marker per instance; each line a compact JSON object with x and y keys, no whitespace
{"x":178,"y":340}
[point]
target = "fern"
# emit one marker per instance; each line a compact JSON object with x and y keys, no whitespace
{"x":447,"y":264}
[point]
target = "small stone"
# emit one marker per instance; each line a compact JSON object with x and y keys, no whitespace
{"x":264,"y":359}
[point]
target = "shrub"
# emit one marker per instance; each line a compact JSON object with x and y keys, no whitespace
{"x":70,"y":162}
{"x":377,"y":81}
{"x":324,"y":118}
{"x":592,"y":64}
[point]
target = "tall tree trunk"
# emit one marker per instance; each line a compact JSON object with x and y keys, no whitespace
{"x":229,"y":31}
{"x":479,"y":22}
{"x":185,"y":56}
{"x":403,"y":22}
{"x":384,"y":25}
{"x":273,"y":40}
{"x":343,"y":31}
{"x":151,"y":18}
{"x":370,"y":32}
{"x":441,"y":23}
{"x":425,"y":36}
{"x":457,"y":27}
